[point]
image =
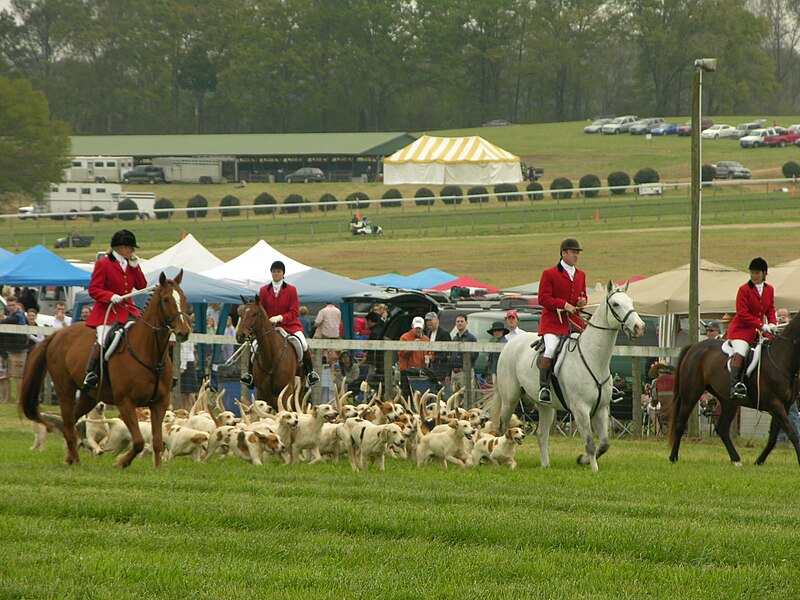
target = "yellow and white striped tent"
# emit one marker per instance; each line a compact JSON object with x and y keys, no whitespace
{"x":459,"y":160}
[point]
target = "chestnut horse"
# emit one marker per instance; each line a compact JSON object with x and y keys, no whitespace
{"x":771,"y":388}
{"x":275,"y":362}
{"x":139,"y":373}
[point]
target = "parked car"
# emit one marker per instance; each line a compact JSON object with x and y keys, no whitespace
{"x":497,"y":123}
{"x":144,"y":174}
{"x":717,"y":131}
{"x":728,"y":169}
{"x":596,"y":126}
{"x":782,"y":137}
{"x":757,"y":138}
{"x":665,"y":129}
{"x":643,"y":126}
{"x":686,"y":128}
{"x":306,"y":175}
{"x":742,"y":129}
{"x":74,"y":240}
{"x":619,"y":125}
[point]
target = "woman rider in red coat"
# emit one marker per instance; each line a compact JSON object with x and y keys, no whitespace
{"x":116,"y":274}
{"x":282,"y":305}
{"x":755,"y":310}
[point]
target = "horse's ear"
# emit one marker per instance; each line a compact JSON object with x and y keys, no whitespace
{"x":162,"y":279}
{"x":244,"y":300}
{"x":179,"y":277}
{"x":627,"y":283}
{"x":255,"y":298}
{"x":610,"y":286}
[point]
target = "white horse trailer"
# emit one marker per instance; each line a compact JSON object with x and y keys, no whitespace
{"x":189,"y":169}
{"x":100,"y":169}
{"x":66,"y":198}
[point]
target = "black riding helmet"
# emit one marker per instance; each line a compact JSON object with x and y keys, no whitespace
{"x":570,"y":244}
{"x":278,"y":264}
{"x":758,"y":264}
{"x":123,"y":238}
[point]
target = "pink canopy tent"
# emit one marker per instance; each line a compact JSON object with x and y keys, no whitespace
{"x":465,"y":281}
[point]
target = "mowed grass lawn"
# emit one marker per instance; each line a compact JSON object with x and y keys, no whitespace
{"x":639,"y":528}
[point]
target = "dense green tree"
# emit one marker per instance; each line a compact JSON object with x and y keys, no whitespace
{"x":33,"y":149}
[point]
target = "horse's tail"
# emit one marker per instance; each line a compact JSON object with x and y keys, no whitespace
{"x":32,"y":378}
{"x":676,"y":398}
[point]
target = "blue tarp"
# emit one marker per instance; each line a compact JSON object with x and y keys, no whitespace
{"x":416,"y":281}
{"x":39,"y":266}
{"x":4,"y":254}
{"x":316,"y":285}
{"x":199,"y":289}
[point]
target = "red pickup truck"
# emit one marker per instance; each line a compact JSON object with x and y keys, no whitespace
{"x":783,"y":137}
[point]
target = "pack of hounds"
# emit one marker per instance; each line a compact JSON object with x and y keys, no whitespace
{"x":425,"y":428}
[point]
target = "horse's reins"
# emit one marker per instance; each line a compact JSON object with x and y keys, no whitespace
{"x":105,"y":324}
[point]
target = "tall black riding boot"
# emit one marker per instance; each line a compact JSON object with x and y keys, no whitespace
{"x":311,"y":375}
{"x":92,"y":366}
{"x":738,"y":389}
{"x":545,"y":368}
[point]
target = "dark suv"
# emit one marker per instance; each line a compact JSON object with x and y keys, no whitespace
{"x":306,"y":175}
{"x":144,"y":174}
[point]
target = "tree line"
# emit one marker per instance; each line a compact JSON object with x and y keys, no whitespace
{"x":241,"y":66}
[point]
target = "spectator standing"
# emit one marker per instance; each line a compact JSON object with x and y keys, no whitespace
{"x":440,"y":363}
{"x":213,"y":312}
{"x":328,"y":322}
{"x":374,"y":358}
{"x":346,"y":372}
{"x":498,"y":333}
{"x":783,"y":317}
{"x":28,"y":300}
{"x":512,"y":324}
{"x":308,"y":329}
{"x":413,"y":359}
{"x":188,"y":375}
{"x":86,"y":311}
{"x":61,"y":319}
{"x":713,"y":330}
{"x":14,"y":346}
{"x":457,"y":377}
{"x":227,"y":350}
{"x":33,"y":338}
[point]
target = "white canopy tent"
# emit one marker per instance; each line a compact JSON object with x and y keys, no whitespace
{"x":188,"y":254}
{"x":461,"y":160}
{"x":251,"y":268}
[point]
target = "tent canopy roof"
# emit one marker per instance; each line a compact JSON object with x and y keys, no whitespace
{"x":316,"y":285}
{"x":188,"y":253}
{"x":39,"y":266}
{"x":429,"y":149}
{"x":251,"y":267}
{"x":465,"y":281}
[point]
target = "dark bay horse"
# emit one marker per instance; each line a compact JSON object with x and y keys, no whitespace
{"x":138,"y":374}
{"x":771,"y":388}
{"x":275,"y":362}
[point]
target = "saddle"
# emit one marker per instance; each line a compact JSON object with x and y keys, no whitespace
{"x":558,"y":359}
{"x":751,"y":360}
{"x":292,"y":340}
{"x":113,"y":337}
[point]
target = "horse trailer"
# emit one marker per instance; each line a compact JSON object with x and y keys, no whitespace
{"x":100,"y":169}
{"x":190,"y":169}
{"x":66,"y":198}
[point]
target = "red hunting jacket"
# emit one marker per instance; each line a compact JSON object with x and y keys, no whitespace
{"x":108,"y":279}
{"x":286,"y":304}
{"x":751,"y":310}
{"x":556,"y":289}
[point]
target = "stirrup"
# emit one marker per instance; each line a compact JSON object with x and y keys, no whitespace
{"x":739,"y":389}
{"x":544,"y":396}
{"x":247,"y":379}
{"x":91,"y":380}
{"x":616,"y":395}
{"x":312,"y":378}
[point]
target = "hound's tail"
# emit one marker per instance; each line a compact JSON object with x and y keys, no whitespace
{"x":32,"y":379}
{"x":676,"y":399}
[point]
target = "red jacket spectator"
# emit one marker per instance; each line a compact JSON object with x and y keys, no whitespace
{"x":556,"y":289}
{"x":412,"y":358}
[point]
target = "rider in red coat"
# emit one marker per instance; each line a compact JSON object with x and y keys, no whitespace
{"x":116,"y":274}
{"x":282,"y":305}
{"x":755,"y":310}
{"x":562,"y":291}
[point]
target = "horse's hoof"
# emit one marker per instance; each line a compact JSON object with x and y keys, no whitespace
{"x":737,"y":463}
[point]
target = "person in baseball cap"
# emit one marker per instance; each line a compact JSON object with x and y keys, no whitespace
{"x":713,"y":330}
{"x":418,"y":323}
{"x":512,"y":324}
{"x":412,"y":359}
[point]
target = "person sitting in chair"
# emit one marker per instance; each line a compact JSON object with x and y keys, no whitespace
{"x":282,"y":305}
{"x":115,"y":275}
{"x":755,"y":310}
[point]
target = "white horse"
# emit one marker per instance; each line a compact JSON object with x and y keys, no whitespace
{"x":583,"y":375}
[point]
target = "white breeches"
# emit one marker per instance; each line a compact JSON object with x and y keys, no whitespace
{"x":550,"y":344}
{"x":740,"y":346}
{"x":302,"y":337}
{"x":102,"y":331}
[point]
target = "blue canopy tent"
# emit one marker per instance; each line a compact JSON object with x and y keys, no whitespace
{"x":4,"y":254}
{"x":416,"y":281}
{"x":39,"y":266}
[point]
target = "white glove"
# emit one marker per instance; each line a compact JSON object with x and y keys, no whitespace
{"x":276,"y":319}
{"x":116,"y":299}
{"x":770,"y":328}
{"x":133,"y":261}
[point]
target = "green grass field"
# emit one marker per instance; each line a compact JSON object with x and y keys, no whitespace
{"x":640,"y":528}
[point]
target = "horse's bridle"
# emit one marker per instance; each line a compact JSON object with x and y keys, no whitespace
{"x":621,"y":320}
{"x":253,"y":336}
